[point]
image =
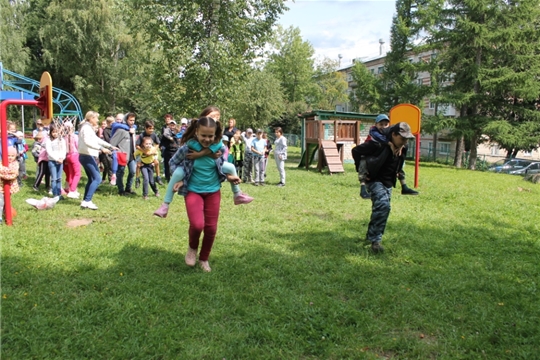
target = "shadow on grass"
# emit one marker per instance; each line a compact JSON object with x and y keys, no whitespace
{"x":312,"y":293}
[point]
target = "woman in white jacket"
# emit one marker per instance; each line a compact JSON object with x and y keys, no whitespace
{"x":89,"y":147}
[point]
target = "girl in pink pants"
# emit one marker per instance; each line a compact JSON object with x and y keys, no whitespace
{"x":201,"y":188}
{"x":72,"y":166}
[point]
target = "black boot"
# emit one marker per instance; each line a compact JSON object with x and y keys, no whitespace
{"x":405,"y":190}
{"x":364,"y":193}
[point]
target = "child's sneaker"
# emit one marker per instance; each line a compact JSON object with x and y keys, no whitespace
{"x":113,"y":180}
{"x":137,"y":183}
{"x":88,"y":205}
{"x":162,"y":211}
{"x":73,"y":195}
{"x":145,"y":197}
{"x":204,"y":266}
{"x":157,"y":194}
{"x":242,"y":199}
{"x":159,"y":181}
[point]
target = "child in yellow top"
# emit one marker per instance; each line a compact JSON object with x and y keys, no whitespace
{"x":147,"y":152}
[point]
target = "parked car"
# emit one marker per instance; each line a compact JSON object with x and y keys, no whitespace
{"x":532,"y":168}
{"x":506,"y":166}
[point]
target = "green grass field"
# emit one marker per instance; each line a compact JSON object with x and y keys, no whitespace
{"x":292,"y":277}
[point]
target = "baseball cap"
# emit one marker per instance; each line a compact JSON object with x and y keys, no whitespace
{"x":381,"y":117}
{"x":225,"y":138}
{"x":183,"y":121}
{"x":172,"y":122}
{"x":405,"y":130}
{"x":249,"y":130}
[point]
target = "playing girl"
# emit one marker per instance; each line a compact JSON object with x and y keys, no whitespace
{"x":201,"y":189}
{"x":56,"y":152}
{"x":196,"y":150}
{"x":72,"y":166}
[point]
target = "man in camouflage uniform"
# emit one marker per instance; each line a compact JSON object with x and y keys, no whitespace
{"x":383,"y":162}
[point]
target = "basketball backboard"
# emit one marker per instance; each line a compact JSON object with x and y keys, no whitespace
{"x":45,"y":99}
{"x":406,"y":113}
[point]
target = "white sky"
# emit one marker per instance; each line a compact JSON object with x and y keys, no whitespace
{"x":351,"y":28}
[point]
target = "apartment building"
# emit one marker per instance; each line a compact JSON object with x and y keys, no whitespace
{"x":446,"y":146}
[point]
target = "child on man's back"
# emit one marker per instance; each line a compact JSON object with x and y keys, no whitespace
{"x":376,"y":134}
{"x":8,"y":175}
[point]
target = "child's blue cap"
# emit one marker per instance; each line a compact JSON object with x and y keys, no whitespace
{"x":381,"y":117}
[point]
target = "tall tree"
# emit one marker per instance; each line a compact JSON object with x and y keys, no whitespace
{"x":260,"y":101}
{"x":331,"y":86}
{"x":292,"y":63}
{"x":85,"y":42}
{"x":491,"y":49}
{"x":206,"y":46}
{"x":14,"y":55}
{"x":399,"y":78}
{"x":366,"y":94}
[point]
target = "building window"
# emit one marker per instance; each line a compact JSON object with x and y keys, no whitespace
{"x":430,"y":147}
{"x":372,"y":71}
{"x":411,"y":60}
{"x":527,"y":153}
{"x":433,"y":56}
{"x":444,"y":149}
{"x":431,"y":104}
{"x":495,"y":150}
{"x":349,"y":77}
{"x":380,"y":69}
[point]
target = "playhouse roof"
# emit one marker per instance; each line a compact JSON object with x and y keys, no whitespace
{"x":342,"y":115}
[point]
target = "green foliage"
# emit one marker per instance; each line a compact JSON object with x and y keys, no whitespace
{"x":366,"y":96}
{"x":206,"y":47}
{"x":331,"y":86}
{"x":291,"y":279}
{"x":399,"y":79}
{"x":14,"y":55}
{"x":492,"y":51}
{"x":292,"y":63}
{"x":260,"y":100}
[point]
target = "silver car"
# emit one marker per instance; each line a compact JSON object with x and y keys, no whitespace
{"x":532,"y":168}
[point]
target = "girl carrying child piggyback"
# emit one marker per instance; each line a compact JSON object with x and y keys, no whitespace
{"x":201,"y":187}
{"x":194,"y":151}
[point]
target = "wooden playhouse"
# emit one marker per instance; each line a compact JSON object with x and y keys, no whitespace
{"x":331,"y":135}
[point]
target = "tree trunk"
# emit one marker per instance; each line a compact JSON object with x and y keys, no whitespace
{"x":460,"y":147}
{"x":474,"y":152}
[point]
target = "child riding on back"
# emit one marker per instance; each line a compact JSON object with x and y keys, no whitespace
{"x":181,"y":161}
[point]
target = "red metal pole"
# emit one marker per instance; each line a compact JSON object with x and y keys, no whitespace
{"x":3,"y":128}
{"x":417,"y":160}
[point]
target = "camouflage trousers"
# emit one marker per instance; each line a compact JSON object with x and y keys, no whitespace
{"x":380,"y":209}
{"x":248,"y":167}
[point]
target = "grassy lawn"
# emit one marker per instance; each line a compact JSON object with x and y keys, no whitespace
{"x":292,"y":277}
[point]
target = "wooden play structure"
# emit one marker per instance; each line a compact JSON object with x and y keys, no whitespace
{"x":331,"y":135}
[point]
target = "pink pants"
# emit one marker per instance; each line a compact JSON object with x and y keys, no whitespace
{"x":203,"y":213}
{"x":72,"y":168}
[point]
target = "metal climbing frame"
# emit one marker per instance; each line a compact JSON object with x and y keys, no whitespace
{"x":68,"y":104}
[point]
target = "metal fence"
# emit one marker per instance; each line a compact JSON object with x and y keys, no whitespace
{"x":447,"y":158}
